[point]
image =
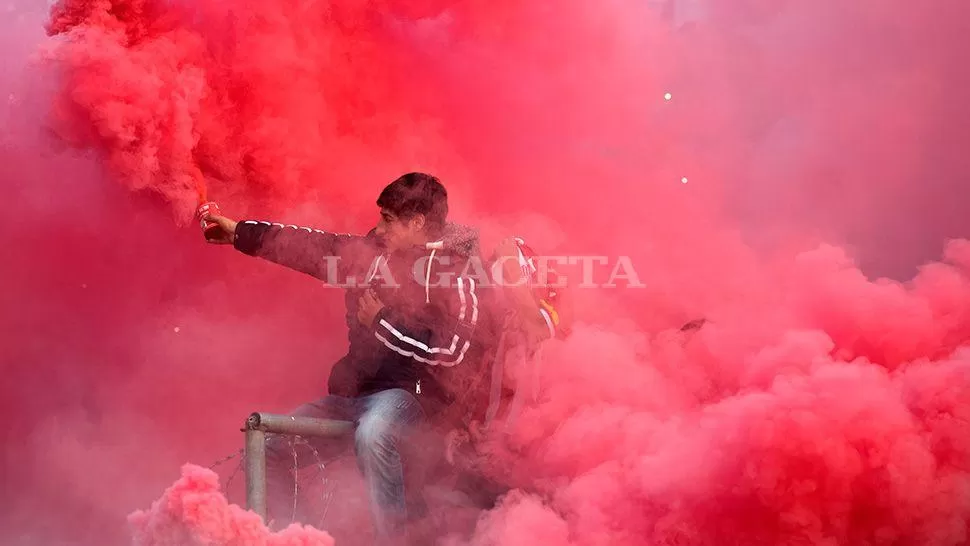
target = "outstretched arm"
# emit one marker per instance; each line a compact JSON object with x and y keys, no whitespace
{"x":327,"y":256}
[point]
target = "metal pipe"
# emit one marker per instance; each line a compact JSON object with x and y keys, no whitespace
{"x":256,"y":471}
{"x":298,"y":426}
{"x":257,"y":425}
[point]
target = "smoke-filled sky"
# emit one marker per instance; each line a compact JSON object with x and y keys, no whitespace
{"x":823,"y":148}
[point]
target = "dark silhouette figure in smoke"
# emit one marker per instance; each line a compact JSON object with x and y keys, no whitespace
{"x":413,"y":340}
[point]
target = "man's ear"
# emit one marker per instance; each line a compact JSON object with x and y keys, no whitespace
{"x":417,"y":222}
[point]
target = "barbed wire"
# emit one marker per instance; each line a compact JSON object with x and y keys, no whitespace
{"x":235,"y":471}
{"x":321,"y":470}
{"x":227,"y":458}
{"x":241,"y":453}
{"x":296,"y":475}
{"x":293,"y":441}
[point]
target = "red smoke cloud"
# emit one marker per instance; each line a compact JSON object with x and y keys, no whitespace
{"x":194,"y":510}
{"x":818,"y":407}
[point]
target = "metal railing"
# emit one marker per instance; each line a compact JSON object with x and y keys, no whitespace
{"x":257,"y":426}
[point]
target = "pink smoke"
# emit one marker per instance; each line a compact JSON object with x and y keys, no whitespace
{"x":194,"y":511}
{"x":824,"y":146}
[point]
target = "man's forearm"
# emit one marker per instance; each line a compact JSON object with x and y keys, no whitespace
{"x":303,"y":249}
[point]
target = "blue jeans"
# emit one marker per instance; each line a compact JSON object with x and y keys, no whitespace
{"x":384,"y":422}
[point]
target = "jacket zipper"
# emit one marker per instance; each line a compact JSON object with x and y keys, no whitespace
{"x":417,"y":387}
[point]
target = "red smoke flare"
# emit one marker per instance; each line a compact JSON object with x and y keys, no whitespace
{"x":818,"y":406}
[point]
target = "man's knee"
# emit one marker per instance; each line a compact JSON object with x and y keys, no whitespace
{"x":375,"y":435}
{"x":391,"y":415}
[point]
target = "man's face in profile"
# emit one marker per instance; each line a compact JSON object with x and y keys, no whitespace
{"x":396,"y":233}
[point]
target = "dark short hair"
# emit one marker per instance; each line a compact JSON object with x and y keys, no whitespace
{"x":416,"y":193}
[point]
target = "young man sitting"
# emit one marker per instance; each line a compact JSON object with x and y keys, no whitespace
{"x":413,"y":320}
